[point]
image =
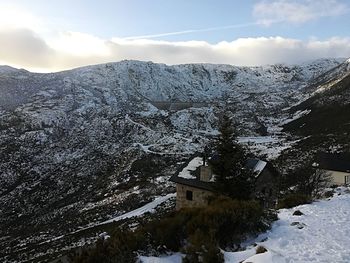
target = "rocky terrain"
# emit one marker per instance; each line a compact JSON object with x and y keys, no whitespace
{"x":82,"y":146}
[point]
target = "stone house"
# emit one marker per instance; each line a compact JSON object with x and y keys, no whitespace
{"x":195,"y":183}
{"x":337,"y":165}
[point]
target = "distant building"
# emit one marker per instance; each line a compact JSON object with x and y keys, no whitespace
{"x":195,"y":183}
{"x":266,"y":182}
{"x":337,"y":165}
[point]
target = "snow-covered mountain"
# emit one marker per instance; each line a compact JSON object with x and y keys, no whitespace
{"x":328,"y":106}
{"x":84,"y":145}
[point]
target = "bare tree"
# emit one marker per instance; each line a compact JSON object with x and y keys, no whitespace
{"x":308,"y":180}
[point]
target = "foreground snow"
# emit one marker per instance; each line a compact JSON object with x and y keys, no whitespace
{"x":323,"y":236}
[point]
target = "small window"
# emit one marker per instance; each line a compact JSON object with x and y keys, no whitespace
{"x":189,"y":195}
{"x":346,"y":179}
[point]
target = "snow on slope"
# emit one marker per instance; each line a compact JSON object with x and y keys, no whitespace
{"x":324,"y":237}
{"x":148,"y":208}
{"x":66,"y":130}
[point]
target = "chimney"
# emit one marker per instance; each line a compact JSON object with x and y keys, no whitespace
{"x":205,"y":173}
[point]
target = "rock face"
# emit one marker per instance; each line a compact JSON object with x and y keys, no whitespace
{"x":79,"y":146}
{"x":326,"y":124}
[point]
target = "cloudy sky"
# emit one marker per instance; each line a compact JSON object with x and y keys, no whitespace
{"x":46,"y":36}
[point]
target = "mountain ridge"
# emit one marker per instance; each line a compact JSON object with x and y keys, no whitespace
{"x":87,"y":144}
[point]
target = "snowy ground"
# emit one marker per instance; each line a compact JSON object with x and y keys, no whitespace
{"x":148,"y":208}
{"x":270,"y":146}
{"x":322,"y":234}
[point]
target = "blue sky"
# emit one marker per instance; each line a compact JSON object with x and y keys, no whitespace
{"x":71,"y":33}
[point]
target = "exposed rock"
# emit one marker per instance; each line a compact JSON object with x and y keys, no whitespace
{"x":298,"y":213}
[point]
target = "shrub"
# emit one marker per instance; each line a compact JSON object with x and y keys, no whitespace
{"x":198,"y":232}
{"x":121,"y":248}
{"x":202,"y":247}
{"x":329,"y":194}
{"x":168,"y":232}
{"x":292,"y":200}
{"x":260,"y":250}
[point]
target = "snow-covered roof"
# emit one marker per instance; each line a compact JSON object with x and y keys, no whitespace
{"x":259,"y":166}
{"x":256,"y":165}
{"x":191,"y":167}
{"x":187,"y":177}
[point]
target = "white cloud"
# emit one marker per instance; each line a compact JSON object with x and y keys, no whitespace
{"x":297,"y":11}
{"x":26,"y":49}
{"x":79,"y":44}
{"x":14,"y":17}
{"x":26,"y":43}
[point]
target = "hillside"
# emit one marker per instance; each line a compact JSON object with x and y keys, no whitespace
{"x":83,"y":146}
{"x":319,"y":235}
{"x":326,"y":122}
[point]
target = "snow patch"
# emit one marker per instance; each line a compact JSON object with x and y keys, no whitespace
{"x":259,"y":167}
{"x":295,"y":116}
{"x":324,"y":237}
{"x":176,"y":258}
{"x":142,"y":210}
{"x":192,"y":166}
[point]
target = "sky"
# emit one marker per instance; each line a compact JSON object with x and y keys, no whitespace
{"x":47,"y":36}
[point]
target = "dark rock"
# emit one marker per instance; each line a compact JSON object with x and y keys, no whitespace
{"x":298,"y":213}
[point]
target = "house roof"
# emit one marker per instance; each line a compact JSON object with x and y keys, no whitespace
{"x":189,"y":175}
{"x":256,"y":165}
{"x":333,"y":161}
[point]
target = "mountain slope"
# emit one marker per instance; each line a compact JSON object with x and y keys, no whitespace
{"x":329,"y":106}
{"x":89,"y":144}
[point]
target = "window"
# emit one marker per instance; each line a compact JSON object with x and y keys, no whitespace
{"x":346,"y":179}
{"x":189,"y":195}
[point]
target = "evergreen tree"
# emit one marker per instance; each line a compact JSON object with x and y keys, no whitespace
{"x":232,"y":177}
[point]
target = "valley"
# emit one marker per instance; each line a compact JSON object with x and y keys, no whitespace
{"x":81,"y":147}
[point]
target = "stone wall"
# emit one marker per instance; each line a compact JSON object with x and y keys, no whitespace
{"x":199,"y":196}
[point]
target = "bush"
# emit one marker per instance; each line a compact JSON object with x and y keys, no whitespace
{"x":202,"y":247}
{"x":329,"y":194}
{"x":168,"y":232}
{"x":260,"y":250}
{"x":198,"y":232}
{"x":121,"y":248}
{"x":293,"y":200}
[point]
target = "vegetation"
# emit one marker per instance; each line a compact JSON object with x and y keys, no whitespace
{"x":260,"y":250}
{"x":233,"y":178}
{"x":308,"y":181}
{"x":292,"y":200}
{"x":197,"y":232}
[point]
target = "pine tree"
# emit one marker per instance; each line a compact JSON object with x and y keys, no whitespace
{"x":232,"y":177}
